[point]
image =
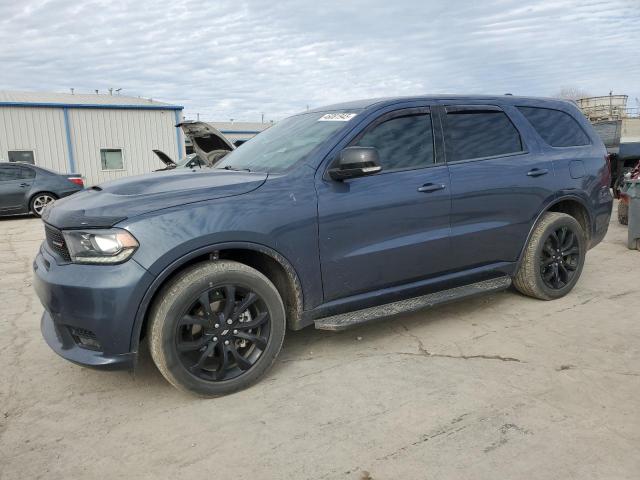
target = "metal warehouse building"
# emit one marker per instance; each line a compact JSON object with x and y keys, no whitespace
{"x":101,"y":137}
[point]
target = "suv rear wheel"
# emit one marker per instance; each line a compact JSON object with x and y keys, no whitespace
{"x":216,"y":328}
{"x":553,"y":258}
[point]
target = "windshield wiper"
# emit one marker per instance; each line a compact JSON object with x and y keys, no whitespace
{"x":229,"y":167}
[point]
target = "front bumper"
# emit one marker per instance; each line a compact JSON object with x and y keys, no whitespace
{"x":101,"y":299}
{"x":59,"y":338}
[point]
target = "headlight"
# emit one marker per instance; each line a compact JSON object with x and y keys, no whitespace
{"x":100,"y":246}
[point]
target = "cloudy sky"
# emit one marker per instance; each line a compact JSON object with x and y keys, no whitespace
{"x":237,"y":59}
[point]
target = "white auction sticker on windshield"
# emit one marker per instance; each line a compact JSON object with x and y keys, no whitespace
{"x":337,"y":117}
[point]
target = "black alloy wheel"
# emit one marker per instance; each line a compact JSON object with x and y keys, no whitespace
{"x":560,"y":258}
{"x":216,"y":327}
{"x":223,"y":333}
{"x":553,"y":258}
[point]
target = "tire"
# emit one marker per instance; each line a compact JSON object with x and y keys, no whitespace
{"x":623,"y":213}
{"x":39,"y":201}
{"x":169,"y":335}
{"x":531,"y":278}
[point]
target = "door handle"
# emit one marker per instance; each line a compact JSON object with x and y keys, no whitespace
{"x":431,"y":187}
{"x":537,"y":172}
{"x":25,"y":185}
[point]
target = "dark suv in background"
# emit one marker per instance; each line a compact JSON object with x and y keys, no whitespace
{"x":330,"y":218}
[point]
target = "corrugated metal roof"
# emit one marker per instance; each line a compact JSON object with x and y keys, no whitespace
{"x":9,"y":97}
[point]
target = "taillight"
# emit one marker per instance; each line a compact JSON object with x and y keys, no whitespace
{"x":76,"y":180}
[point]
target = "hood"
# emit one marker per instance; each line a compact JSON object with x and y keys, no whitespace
{"x":164,"y":158}
{"x":107,"y":204}
{"x":208,"y":142}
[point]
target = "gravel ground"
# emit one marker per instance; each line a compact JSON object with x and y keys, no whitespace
{"x":498,"y":387}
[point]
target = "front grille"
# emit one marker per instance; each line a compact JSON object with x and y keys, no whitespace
{"x":56,"y":242}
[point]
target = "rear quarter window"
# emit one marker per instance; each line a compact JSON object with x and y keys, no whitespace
{"x":557,"y":128}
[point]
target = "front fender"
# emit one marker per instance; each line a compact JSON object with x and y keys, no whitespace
{"x":179,"y":263}
{"x":279,"y":219}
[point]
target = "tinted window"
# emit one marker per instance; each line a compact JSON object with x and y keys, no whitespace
{"x":402,"y":142}
{"x":23,"y":156}
{"x":476,"y":134}
{"x":27,"y":173}
{"x":15,"y":173}
{"x":558,"y":129}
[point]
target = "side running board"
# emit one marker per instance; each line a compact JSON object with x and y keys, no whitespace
{"x":351,"y":319}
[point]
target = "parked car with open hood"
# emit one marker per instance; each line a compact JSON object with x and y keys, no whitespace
{"x":209,"y":146}
{"x":332,"y":218}
{"x":192,"y":160}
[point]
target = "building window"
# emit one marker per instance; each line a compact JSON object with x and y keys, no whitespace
{"x":111,"y":159}
{"x":21,"y":156}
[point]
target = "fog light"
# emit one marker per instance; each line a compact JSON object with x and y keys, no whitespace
{"x":85,"y":338}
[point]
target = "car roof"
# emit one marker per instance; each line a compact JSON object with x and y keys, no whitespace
{"x":28,"y":165}
{"x":13,"y":164}
{"x":502,"y":99}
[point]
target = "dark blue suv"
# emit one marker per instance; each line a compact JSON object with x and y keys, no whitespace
{"x":332,"y":218}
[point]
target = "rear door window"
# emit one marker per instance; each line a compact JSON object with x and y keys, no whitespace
{"x":8,"y":173}
{"x":27,"y":173}
{"x":558,"y":129}
{"x":476,"y":133}
{"x":402,"y":142}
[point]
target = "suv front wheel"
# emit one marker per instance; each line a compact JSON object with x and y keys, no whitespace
{"x":553,"y":258}
{"x":216,"y":328}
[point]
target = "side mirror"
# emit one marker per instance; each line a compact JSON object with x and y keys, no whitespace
{"x":356,"y":162}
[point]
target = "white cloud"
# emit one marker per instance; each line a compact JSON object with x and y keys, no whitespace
{"x":230,"y":59}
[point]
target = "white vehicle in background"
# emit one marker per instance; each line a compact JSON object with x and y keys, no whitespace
{"x":209,"y":147}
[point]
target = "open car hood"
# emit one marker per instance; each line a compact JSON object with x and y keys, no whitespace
{"x":208,"y":142}
{"x":164,"y":158}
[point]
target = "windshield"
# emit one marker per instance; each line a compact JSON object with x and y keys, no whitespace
{"x":183,"y":161}
{"x":287,"y":142}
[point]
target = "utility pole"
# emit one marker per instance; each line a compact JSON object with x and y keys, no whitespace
{"x":610,"y":104}
{"x":262,"y":120}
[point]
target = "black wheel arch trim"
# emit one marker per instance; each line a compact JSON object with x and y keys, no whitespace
{"x":294,"y":316}
{"x":546,"y":209}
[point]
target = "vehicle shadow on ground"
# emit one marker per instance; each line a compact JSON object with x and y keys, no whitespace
{"x":22,"y":216}
{"x":319,"y":345}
